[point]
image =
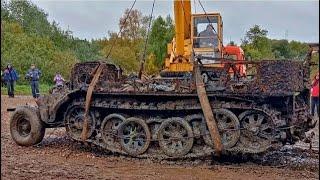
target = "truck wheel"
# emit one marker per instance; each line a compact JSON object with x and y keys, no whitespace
{"x":26,"y":127}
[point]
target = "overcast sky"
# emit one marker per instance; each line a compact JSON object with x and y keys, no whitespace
{"x":93,"y":19}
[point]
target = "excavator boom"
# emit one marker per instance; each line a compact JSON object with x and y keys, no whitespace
{"x":182,"y":17}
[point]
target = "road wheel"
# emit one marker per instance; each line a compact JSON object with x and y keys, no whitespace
{"x":228,"y":126}
{"x":175,"y":137}
{"x":257,"y":131}
{"x":26,"y":127}
{"x":134,"y":136}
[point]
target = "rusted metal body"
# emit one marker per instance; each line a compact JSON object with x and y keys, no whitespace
{"x":207,"y":111}
{"x":164,"y":117}
{"x":97,"y":72}
{"x":268,"y":78}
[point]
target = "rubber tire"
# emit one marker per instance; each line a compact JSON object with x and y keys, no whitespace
{"x":37,"y":127}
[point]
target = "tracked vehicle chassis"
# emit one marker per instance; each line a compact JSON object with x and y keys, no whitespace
{"x":163,"y":117}
{"x":110,"y":110}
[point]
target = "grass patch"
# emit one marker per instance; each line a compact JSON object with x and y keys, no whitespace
{"x":25,"y":89}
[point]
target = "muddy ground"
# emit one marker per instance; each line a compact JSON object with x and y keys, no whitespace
{"x":58,"y":157}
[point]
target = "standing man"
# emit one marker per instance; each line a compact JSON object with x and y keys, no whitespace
{"x":33,"y":76}
{"x":10,"y":76}
{"x":315,"y":95}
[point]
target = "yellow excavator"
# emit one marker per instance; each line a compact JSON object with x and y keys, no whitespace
{"x":197,"y":34}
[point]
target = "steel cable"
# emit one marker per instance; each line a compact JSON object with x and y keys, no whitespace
{"x":210,"y":23}
{"x":125,"y":20}
{"x":146,"y":43}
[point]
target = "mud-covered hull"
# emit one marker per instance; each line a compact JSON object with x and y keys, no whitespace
{"x":162,"y":117}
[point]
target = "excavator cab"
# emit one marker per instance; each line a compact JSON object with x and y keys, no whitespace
{"x":199,"y":35}
{"x":206,"y":33}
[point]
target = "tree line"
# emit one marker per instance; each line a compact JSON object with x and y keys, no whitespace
{"x":257,"y":46}
{"x":28,"y":37}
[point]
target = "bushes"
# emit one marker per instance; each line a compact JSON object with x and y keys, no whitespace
{"x":28,"y":37}
{"x":257,"y":46}
{"x":22,"y":50}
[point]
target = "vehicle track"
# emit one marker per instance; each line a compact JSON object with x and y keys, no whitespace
{"x":59,"y":157}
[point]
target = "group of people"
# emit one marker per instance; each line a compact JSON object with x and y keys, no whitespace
{"x":10,"y":76}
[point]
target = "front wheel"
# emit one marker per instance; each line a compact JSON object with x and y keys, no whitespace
{"x":26,"y":127}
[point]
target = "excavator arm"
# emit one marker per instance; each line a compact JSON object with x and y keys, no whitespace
{"x":182,"y":18}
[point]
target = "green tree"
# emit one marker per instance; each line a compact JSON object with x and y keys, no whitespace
{"x":256,"y":45}
{"x":281,"y":49}
{"x":32,"y":19}
{"x":253,"y":34}
{"x":5,"y":14}
{"x":161,"y":34}
{"x":34,"y":22}
{"x":28,"y":37}
{"x":133,"y":25}
{"x":22,"y":50}
{"x":298,"y":50}
{"x":123,"y":52}
{"x":127,"y":49}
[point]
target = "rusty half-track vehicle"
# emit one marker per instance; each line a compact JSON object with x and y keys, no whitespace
{"x":164,"y":117}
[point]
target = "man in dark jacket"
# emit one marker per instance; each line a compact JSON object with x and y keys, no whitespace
{"x":208,"y":38}
{"x":33,"y":75}
{"x":10,"y":75}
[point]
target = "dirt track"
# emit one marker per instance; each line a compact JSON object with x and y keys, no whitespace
{"x":58,"y":157}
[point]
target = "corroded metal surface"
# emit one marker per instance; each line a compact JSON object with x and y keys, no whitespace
{"x":268,"y":107}
{"x":267,"y":77}
{"x":97,"y":73}
{"x":207,"y":112}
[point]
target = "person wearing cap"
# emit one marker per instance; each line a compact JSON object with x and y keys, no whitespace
{"x":10,"y":76}
{"x":33,"y":75}
{"x":315,"y":95}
